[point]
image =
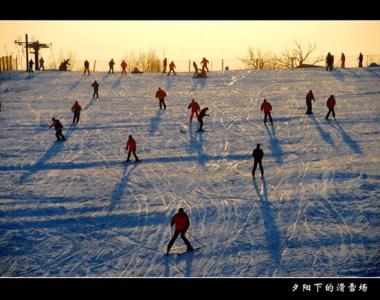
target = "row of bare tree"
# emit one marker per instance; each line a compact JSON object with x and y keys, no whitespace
{"x":289,"y":59}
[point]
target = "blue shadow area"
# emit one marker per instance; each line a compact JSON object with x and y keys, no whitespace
{"x":195,"y":145}
{"x":117,"y":82}
{"x":169,"y":82}
{"x":155,"y":122}
{"x":275,"y":146}
{"x":272,"y":235}
{"x":324,"y":135}
{"x":338,"y":74}
{"x":119,"y":189}
{"x":75,"y":85}
{"x":346,"y":138}
{"x":199,"y":83}
{"x":51,"y":152}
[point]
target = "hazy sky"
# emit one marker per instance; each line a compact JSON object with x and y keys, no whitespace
{"x":191,"y":39}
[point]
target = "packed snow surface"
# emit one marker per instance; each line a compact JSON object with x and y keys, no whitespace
{"x":76,"y":208}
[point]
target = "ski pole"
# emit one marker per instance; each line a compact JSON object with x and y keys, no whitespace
{"x":196,"y":240}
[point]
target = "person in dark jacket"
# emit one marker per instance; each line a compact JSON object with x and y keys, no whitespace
{"x":343,"y":61}
{"x":360,"y":58}
{"x":309,"y":98}
{"x":86,"y":67}
{"x":201,"y":115}
{"x":196,"y":70}
{"x":76,"y":108}
{"x":257,"y":156}
{"x":329,"y":62}
{"x":58,"y":129}
{"x":42,"y":66}
{"x":31,"y":63}
{"x":131,"y":148}
{"x":111,"y":64}
{"x":165,"y":64}
{"x":95,"y":85}
{"x":182,"y":223}
{"x":171,"y":68}
{"x":330,"y":105}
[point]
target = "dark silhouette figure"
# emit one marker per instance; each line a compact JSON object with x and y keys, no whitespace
{"x":95,"y":85}
{"x":165,"y":64}
{"x":58,"y":129}
{"x":195,"y":69}
{"x":31,"y":63}
{"x":171,"y":68}
{"x":131,"y":148}
{"x":309,"y":98}
{"x":76,"y":109}
{"x":194,"y":109}
{"x":182,"y":223}
{"x":42,"y":61}
{"x":123,"y":67}
{"x":257,"y":156}
{"x":201,"y":115}
{"x":160,"y":94}
{"x":343,"y":61}
{"x":266,"y":107}
{"x":64,"y":64}
{"x":330,"y":103}
{"x":204,"y":64}
{"x":329,"y":62}
{"x":86,"y":67}
{"x":360,"y":58}
{"x":111,"y":64}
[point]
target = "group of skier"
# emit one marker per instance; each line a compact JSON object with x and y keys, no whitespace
{"x":330,"y":61}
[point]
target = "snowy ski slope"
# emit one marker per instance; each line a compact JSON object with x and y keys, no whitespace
{"x":77,"y":209}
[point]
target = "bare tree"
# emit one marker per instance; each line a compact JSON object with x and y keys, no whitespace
{"x":258,"y":60}
{"x":297,"y":56}
{"x":144,"y":61}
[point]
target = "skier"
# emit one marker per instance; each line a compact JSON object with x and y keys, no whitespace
{"x":76,"y":108}
{"x":329,"y":62}
{"x":200,"y":118}
{"x":182,"y":223}
{"x":131,"y":148}
{"x":58,"y":129}
{"x":86,"y":67}
{"x":204,"y":63}
{"x":343,"y":60}
{"x":330,"y":105}
{"x":257,"y":156}
{"x":42,"y":64}
{"x":267,"y":107}
{"x":111,"y":64}
{"x":95,"y":85}
{"x":165,"y":63}
{"x":160,"y":94}
{"x":194,"y":109}
{"x":360,"y":58}
{"x":309,"y":98}
{"x":196,"y":69}
{"x":31,"y":63}
{"x":123,"y":67}
{"x":171,"y":68}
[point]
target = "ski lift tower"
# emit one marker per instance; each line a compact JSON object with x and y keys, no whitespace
{"x":36,"y":46}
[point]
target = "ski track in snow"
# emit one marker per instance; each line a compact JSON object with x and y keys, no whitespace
{"x":78,"y":209}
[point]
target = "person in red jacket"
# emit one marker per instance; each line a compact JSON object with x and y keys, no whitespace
{"x":194,"y":109}
{"x":76,"y":108}
{"x":266,"y":107}
{"x":95,"y":85}
{"x":123,"y":67}
{"x":171,"y":68}
{"x":131,"y":148}
{"x":201,"y":115}
{"x":182,"y":223}
{"x":204,"y":64}
{"x":309,"y":98}
{"x":160,"y":94}
{"x":330,"y":105}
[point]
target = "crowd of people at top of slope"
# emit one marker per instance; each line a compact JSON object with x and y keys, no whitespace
{"x":198,"y":73}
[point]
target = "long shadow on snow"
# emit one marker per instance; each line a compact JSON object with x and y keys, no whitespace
{"x":199,"y":83}
{"x":196,"y":145}
{"x":324,"y":135}
{"x":275,"y":145}
{"x":373,"y":71}
{"x":81,"y":223}
{"x":51,"y":152}
{"x":112,"y":163}
{"x":169,"y":82}
{"x":117,"y":82}
{"x":271,"y":233}
{"x":155,"y":122}
{"x":75,"y":85}
{"x":338,"y":74}
{"x":346,"y":138}
{"x":118,"y":192}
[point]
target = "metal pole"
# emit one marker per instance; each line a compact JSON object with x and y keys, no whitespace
{"x":27,"y":55}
